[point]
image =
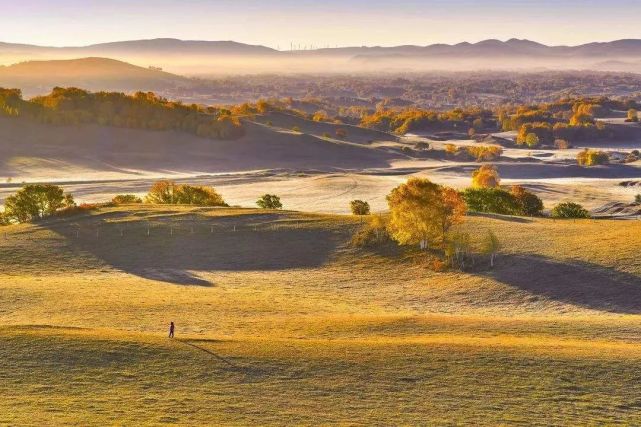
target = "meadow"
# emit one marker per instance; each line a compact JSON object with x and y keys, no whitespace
{"x":280,"y":321}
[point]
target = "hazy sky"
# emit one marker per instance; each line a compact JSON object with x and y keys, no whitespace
{"x":319,"y":22}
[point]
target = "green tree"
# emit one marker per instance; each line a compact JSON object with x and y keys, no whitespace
{"x":637,"y":198}
{"x":422,"y":212}
{"x":269,"y":201}
{"x":35,"y":201}
{"x":359,"y":207}
{"x":491,"y":200}
{"x":569,"y":210}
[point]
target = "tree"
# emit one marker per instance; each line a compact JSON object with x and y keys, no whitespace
{"x":491,"y":200}
{"x":163,"y":193}
{"x":123,"y":199}
{"x":422,"y":212}
{"x":269,"y":201}
{"x":529,"y":203}
{"x":569,"y":210}
{"x":198,"y":195}
{"x":637,"y":198}
{"x":633,"y":115}
{"x":487,"y":176}
{"x":491,"y":246}
{"x":170,"y":193}
{"x":35,"y":201}
{"x":532,"y":140}
{"x":359,"y":207}
{"x":592,"y":157}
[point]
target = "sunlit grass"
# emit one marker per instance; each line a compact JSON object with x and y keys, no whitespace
{"x":330,"y":335}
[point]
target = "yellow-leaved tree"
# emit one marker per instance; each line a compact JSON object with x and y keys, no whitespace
{"x":487,"y":176}
{"x":422,"y":212}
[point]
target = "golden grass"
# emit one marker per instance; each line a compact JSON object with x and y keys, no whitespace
{"x":279,"y":322}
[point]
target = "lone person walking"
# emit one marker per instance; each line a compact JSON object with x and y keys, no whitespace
{"x":171,"y":330}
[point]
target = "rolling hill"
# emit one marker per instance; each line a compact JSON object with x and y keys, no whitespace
{"x":280,"y":322}
{"x":36,"y":77}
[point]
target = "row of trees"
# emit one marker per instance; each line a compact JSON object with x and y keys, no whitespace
{"x":143,"y":110}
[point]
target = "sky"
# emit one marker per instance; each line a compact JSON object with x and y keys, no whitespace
{"x":318,"y":23}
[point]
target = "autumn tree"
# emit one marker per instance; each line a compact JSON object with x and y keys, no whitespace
{"x":168,"y":193}
{"x":529,"y":203}
{"x":487,"y":176}
{"x":163,"y":193}
{"x":422,"y":212}
{"x":633,"y":115}
{"x":532,"y":140}
{"x":36,"y":201}
{"x":269,"y":201}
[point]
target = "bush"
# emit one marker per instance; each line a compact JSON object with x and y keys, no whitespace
{"x":592,"y":158}
{"x":491,"y":200}
{"x":637,"y":198}
{"x":484,"y":153}
{"x":35,"y":201}
{"x":373,"y":233}
{"x":359,"y":207}
{"x":296,"y":129}
{"x":123,"y":199}
{"x":569,"y":210}
{"x":562,"y":144}
{"x":269,"y":201}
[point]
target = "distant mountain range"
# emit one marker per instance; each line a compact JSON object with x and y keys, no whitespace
{"x":617,"y":48}
{"x":205,"y":57}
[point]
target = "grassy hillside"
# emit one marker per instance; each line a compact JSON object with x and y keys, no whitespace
{"x":279,"y":321}
{"x":37,"y":151}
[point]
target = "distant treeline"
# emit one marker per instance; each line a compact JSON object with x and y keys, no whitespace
{"x":569,"y":119}
{"x":143,"y":110}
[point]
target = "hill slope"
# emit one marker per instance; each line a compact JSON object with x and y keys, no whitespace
{"x":280,"y":323}
{"x":36,"y":77}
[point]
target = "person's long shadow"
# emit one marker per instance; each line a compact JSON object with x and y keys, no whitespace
{"x":574,"y":282}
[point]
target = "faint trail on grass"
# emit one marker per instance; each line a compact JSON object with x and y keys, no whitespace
{"x":222,"y":359}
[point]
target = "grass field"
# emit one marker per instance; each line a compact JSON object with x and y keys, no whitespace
{"x":280,"y":322}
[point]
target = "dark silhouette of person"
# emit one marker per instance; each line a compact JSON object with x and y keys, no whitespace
{"x":171,"y":330}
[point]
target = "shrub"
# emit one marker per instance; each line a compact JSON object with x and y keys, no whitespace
{"x":562,"y":144}
{"x":487,"y":176}
{"x":296,"y":129}
{"x":269,"y":201}
{"x":35,"y":201}
{"x":637,"y":198}
{"x":123,"y":199}
{"x":569,"y":210}
{"x":422,"y":146}
{"x":592,"y":158}
{"x":451,"y":149}
{"x":373,"y":233}
{"x":4,"y":219}
{"x":484,"y":153}
{"x":491,"y":200}
{"x":532,"y":140}
{"x":326,"y":135}
{"x":359,"y":207}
